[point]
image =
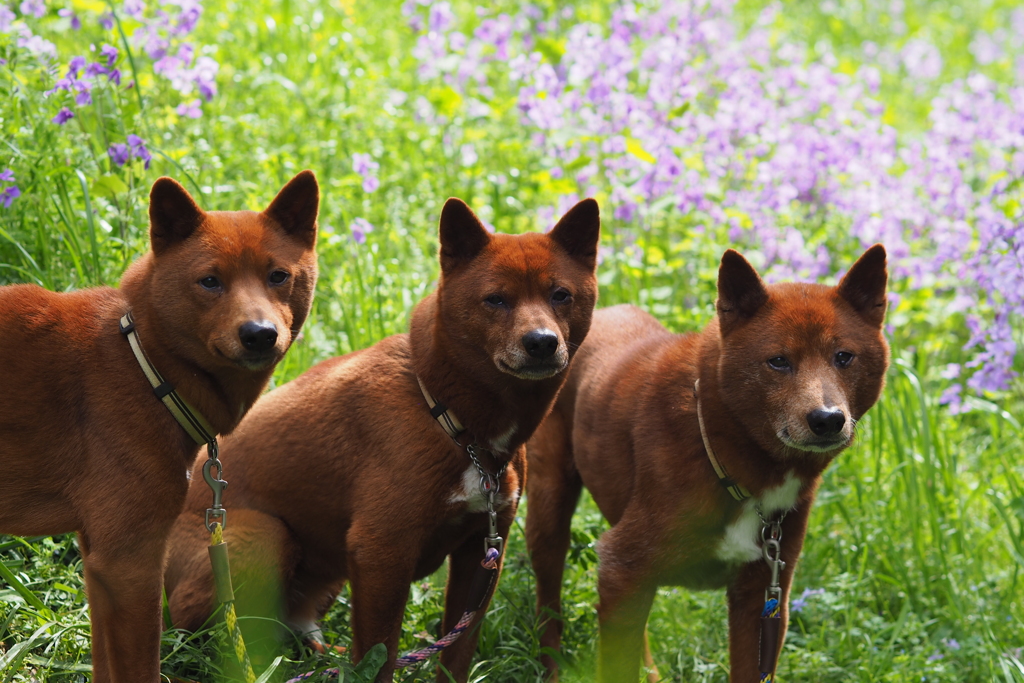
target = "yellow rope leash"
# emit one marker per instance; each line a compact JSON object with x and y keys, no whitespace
{"x":225,"y":594}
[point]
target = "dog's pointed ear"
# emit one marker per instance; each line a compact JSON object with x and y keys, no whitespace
{"x":740,"y":291}
{"x":864,"y":285}
{"x":579,"y":232}
{"x":295,"y":207}
{"x":173,"y":214}
{"x":462,"y":234}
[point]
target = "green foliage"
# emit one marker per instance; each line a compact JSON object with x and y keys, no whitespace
{"x":917,"y":540}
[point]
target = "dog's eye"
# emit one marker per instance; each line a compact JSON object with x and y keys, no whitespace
{"x":495,"y":300}
{"x":779,"y":363}
{"x":210,"y":282}
{"x":561,"y":296}
{"x":278,"y":277}
{"x":843,"y":359}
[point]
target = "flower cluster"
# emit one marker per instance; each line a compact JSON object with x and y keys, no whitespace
{"x":162,"y":35}
{"x":365,"y":166}
{"x":360,"y":228}
{"x":161,"y":32}
{"x":36,"y":46}
{"x":121,"y":153}
{"x":671,"y":108}
{"x":82,"y":76}
{"x":9,"y":193}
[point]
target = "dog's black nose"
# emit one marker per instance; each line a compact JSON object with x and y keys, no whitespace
{"x":540,"y":343}
{"x":258,"y":335}
{"x":826,"y":421}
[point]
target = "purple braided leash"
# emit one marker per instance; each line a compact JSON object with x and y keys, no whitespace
{"x":490,"y":561}
{"x":431,"y":650}
{"x":330,"y":673}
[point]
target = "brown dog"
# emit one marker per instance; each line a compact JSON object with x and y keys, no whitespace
{"x":86,"y":446}
{"x":784,"y":374}
{"x":344,"y":475}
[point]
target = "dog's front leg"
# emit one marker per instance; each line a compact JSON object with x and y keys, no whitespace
{"x":746,"y":596}
{"x":123,"y":581}
{"x":380,"y":574}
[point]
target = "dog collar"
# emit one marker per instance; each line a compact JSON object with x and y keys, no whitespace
{"x":188,"y":417}
{"x":734,"y":489}
{"x":442,"y":413}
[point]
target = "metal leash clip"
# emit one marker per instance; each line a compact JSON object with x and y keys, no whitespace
{"x":771,"y":550}
{"x":216,"y":514}
{"x":493,"y":540}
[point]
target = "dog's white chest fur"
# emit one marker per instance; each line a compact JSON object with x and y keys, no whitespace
{"x":742,"y":540}
{"x":469,"y":492}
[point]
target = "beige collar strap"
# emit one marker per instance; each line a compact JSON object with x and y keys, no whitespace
{"x":734,"y":489}
{"x":187,"y":416}
{"x":440,"y":412}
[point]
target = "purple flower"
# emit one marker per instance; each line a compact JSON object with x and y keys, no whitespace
{"x":798,"y":604}
{"x":61,"y":84}
{"x":114,"y":76}
{"x":441,"y":17}
{"x":188,"y":18}
{"x":134,"y":8}
{"x":360,"y":228}
{"x":76,"y":23}
{"x":190,"y":109}
{"x":75,"y":66}
{"x":138,"y":149}
{"x":110,"y":52}
{"x":8,"y":195}
{"x":205,"y":73}
{"x":985,"y":49}
{"x":363,"y":164}
{"x":119,"y":153}
{"x":35,"y":8}
{"x":953,"y":397}
{"x":935,"y":656}
{"x":107,"y":20}
{"x":951,"y":643}
{"x":922,"y":59}
{"x":83,"y":98}
{"x":63,"y":116}
{"x":6,"y":18}
{"x":38,"y":46}
{"x":6,"y":176}
{"x":95,"y":69}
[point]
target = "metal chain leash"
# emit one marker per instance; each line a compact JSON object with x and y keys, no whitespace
{"x":489,"y":486}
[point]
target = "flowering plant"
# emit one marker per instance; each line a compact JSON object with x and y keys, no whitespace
{"x":674,"y":114}
{"x":126,"y":64}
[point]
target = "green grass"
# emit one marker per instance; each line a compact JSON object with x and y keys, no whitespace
{"x":917,"y":539}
